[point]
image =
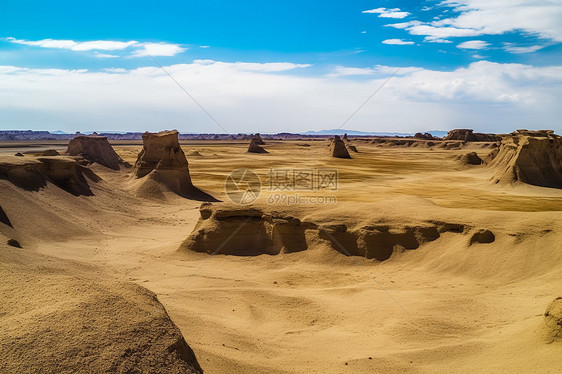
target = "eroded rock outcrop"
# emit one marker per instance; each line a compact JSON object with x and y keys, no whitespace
{"x":389,"y":142}
{"x":32,"y":174}
{"x":482,"y":236}
{"x":471,"y":158}
{"x":338,"y":148}
{"x":553,"y":320}
{"x":230,"y":230}
{"x":532,"y":157}
{"x":426,"y":136}
{"x":254,"y":147}
{"x":4,"y":218}
{"x":95,"y":149}
{"x":50,"y":152}
{"x":467,"y":135}
{"x":257,"y":139}
{"x":161,"y":166}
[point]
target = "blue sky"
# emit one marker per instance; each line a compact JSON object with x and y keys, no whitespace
{"x":269,"y":66}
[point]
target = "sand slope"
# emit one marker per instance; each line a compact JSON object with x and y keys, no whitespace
{"x":64,"y":318}
{"x":458,"y":303}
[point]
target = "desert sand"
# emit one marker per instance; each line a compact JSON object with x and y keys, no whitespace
{"x":417,"y":261}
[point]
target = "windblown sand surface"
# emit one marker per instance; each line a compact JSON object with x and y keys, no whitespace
{"x":450,"y":272}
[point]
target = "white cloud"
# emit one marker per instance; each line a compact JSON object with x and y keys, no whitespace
{"x":493,"y":17}
{"x":510,"y":47}
{"x":268,"y":67}
{"x":157,"y":49}
{"x":473,"y":44}
{"x":397,"y":42}
{"x":343,"y":71}
{"x":139,"y":49}
{"x":250,"y":97}
{"x":105,"y":45}
{"x":388,"y":13}
{"x":104,"y":55}
{"x":380,"y":70}
{"x":477,"y":56}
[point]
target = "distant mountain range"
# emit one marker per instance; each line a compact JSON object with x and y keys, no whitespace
{"x":437,"y":133}
{"x":11,"y":135}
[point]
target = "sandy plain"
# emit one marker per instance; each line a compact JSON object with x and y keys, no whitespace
{"x":446,"y":306}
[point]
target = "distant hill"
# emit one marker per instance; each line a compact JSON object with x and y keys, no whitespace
{"x":437,"y":133}
{"x":355,"y":133}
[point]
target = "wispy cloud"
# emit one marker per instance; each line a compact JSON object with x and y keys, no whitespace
{"x":135,"y":48}
{"x":104,"y":55}
{"x":491,"y":17}
{"x":388,"y":13}
{"x":473,"y":44}
{"x":268,"y":67}
{"x":105,"y":45}
{"x":397,"y":42}
{"x":510,"y":47}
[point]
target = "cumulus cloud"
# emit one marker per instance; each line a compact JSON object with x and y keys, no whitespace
{"x":138,"y":49}
{"x":250,"y":97}
{"x":388,"y":13}
{"x":492,"y":17}
{"x":397,"y":42}
{"x":473,"y":44}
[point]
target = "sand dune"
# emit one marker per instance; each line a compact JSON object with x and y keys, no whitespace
{"x":66,"y":318}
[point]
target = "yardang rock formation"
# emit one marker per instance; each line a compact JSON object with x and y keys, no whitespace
{"x":254,"y":147}
{"x":338,"y":148}
{"x":532,"y":157}
{"x":161,"y":165}
{"x":95,"y":149}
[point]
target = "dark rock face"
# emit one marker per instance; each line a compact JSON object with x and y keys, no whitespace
{"x":426,"y":136}
{"x":553,"y":320}
{"x":468,"y":135}
{"x":471,"y":158}
{"x":257,"y":139}
{"x":338,"y":148}
{"x":50,"y":152}
{"x":4,"y":218}
{"x":254,"y":147}
{"x":64,"y":172}
{"x":482,"y":236}
{"x":95,"y":149}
